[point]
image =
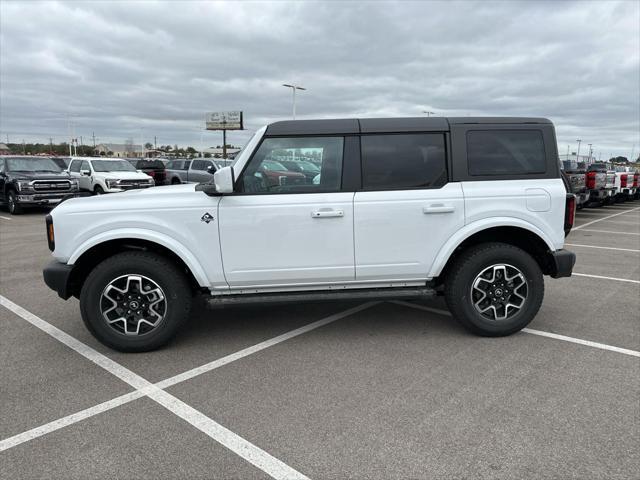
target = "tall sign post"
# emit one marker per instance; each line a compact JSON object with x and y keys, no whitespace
{"x":224,"y":121}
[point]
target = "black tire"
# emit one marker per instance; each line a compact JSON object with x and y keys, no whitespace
{"x":175,"y":181}
{"x":12,"y":203}
{"x":159,"y":269}
{"x":98,"y":190}
{"x":462,"y":274}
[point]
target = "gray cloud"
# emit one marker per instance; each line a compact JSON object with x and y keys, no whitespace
{"x":126,"y":69}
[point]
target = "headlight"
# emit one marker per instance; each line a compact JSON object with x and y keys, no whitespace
{"x":73,"y":183}
{"x":24,"y":185}
{"x":111,"y":182}
{"x":151,"y":181}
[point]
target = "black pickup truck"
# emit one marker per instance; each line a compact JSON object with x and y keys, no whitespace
{"x":33,"y":181}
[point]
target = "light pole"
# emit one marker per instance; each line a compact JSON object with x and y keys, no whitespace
{"x":590,"y":150}
{"x":578,"y":153}
{"x":428,"y":113}
{"x":293,"y":89}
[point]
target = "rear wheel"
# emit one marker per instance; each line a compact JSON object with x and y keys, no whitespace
{"x":135,"y":301}
{"x":494,"y":289}
{"x":12,"y":203}
{"x":175,"y":181}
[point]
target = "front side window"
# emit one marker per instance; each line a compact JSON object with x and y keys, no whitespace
{"x":75,"y":166}
{"x":394,"y":162}
{"x":505,"y":152}
{"x":198,"y":165}
{"x":295,"y":165}
{"x":85,"y":165}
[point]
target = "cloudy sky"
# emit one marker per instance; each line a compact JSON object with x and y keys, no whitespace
{"x":130,"y":69}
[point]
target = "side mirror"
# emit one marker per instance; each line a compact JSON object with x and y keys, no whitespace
{"x":223,"y":180}
{"x":86,"y":173}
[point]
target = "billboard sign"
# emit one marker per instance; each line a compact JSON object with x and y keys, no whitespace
{"x":224,"y":121}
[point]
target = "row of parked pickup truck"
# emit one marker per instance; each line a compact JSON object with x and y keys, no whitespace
{"x":601,"y":183}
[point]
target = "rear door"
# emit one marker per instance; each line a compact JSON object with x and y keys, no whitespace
{"x":282,"y":229}
{"x":406,"y":210}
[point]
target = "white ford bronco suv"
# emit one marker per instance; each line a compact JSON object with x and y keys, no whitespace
{"x":473,"y":208}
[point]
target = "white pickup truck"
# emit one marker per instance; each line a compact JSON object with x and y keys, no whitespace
{"x":474,"y":208}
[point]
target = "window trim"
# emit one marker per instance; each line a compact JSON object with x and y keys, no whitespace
{"x":238,"y":181}
{"x":527,"y":173}
{"x":445,"y":144}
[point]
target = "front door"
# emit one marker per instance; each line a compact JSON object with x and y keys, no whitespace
{"x":406,"y":210}
{"x":284,"y":229}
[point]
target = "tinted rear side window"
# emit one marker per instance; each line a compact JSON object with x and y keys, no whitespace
{"x":403,"y":161}
{"x":505,"y":152}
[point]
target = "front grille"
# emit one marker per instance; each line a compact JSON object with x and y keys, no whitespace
{"x":51,"y":185}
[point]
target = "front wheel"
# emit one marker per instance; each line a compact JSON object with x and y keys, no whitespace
{"x":494,"y":289}
{"x":135,"y":301}
{"x":14,"y":206}
{"x":98,"y":190}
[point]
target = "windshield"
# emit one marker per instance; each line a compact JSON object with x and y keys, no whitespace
{"x":32,"y":164}
{"x":112,"y":166}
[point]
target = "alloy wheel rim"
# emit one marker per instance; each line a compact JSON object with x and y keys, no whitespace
{"x":133,"y":305}
{"x":499,"y":292}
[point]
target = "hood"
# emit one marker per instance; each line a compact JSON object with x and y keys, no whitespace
{"x":39,"y":176}
{"x":152,"y":198}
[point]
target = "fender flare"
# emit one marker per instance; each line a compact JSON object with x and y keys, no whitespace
{"x":169,"y":243}
{"x":467,"y":231}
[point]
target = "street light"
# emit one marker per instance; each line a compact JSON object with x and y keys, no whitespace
{"x":293,"y":89}
{"x":590,"y":151}
{"x":578,"y":154}
{"x":428,"y":113}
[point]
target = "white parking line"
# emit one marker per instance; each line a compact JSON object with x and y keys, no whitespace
{"x":129,"y":397}
{"x":579,"y":341}
{"x":241,"y":447}
{"x":5,"y":218}
{"x":603,"y":248}
{"x":605,"y":278}
{"x":610,"y":231}
{"x":604,"y":218}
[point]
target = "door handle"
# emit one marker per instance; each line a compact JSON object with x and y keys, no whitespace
{"x":327,"y":213}
{"x":438,"y":208}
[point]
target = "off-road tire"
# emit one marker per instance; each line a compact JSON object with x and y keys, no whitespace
{"x":468,"y":265}
{"x":163,"y":272}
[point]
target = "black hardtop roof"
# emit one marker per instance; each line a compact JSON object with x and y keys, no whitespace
{"x":387,"y":125}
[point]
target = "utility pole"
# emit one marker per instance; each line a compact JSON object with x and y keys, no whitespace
{"x":590,"y":150}
{"x":93,"y":135}
{"x":293,"y":89}
{"x":24,"y":147}
{"x":578,"y":153}
{"x":568,"y":152}
{"x":155,"y":142}
{"x":51,"y":145}
{"x":428,"y":113}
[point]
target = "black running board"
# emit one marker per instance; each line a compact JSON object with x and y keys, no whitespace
{"x":323,"y":295}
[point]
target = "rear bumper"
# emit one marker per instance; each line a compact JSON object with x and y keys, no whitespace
{"x":563,"y":262}
{"x":56,"y":276}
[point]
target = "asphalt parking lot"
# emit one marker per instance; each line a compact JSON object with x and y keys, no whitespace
{"x":330,"y":390}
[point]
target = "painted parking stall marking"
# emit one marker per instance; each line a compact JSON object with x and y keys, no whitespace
{"x":579,"y":341}
{"x":129,"y":397}
{"x":601,"y":277}
{"x":603,"y":248}
{"x":241,"y":447}
{"x":605,"y":218}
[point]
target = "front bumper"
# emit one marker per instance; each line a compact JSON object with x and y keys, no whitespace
{"x":42,"y":198}
{"x":562,"y":263}
{"x":56,"y":276}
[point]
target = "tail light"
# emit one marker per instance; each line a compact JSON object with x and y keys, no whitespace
{"x":623,"y":180}
{"x":51,"y":239}
{"x":591,"y":180}
{"x":636,"y":179}
{"x":152,"y":173}
{"x":569,"y":213}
